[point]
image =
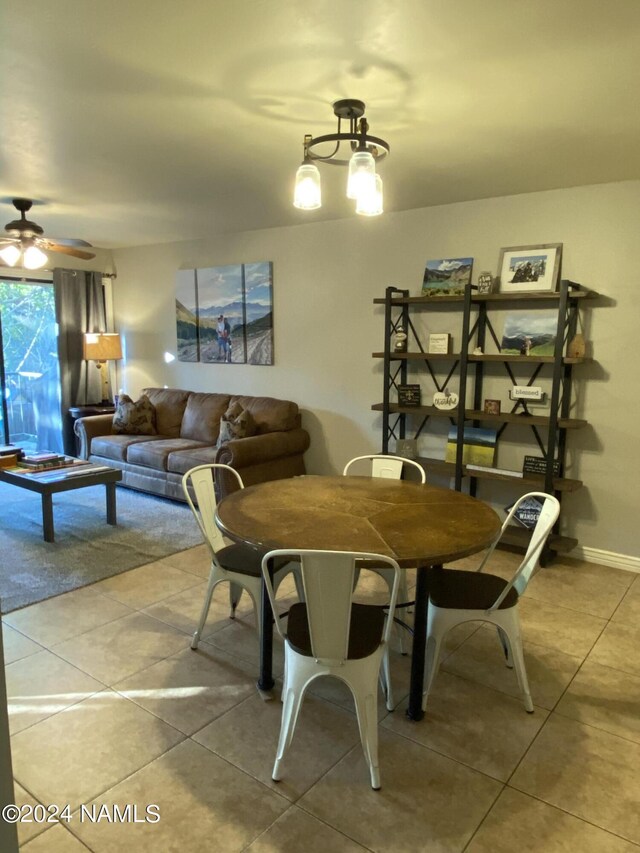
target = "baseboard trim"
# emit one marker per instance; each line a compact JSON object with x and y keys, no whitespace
{"x":607,"y":558}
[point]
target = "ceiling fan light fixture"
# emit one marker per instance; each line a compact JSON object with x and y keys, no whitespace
{"x":33,"y":258}
{"x":365,"y":152}
{"x":11,"y":255}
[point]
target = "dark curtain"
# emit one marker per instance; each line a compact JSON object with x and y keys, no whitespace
{"x":80,"y":308}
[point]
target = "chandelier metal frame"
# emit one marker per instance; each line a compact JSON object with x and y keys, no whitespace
{"x":351,"y":110}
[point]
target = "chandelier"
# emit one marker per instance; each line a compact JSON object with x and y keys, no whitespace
{"x":364,"y":184}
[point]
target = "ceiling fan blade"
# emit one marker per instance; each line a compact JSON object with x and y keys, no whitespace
{"x":69,"y":250}
{"x":69,"y":241}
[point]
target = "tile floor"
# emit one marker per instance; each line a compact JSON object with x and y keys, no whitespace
{"x":109,"y":705}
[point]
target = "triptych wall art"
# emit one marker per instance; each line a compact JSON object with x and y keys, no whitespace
{"x":224,"y":315}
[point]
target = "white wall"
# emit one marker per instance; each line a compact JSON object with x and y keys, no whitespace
{"x":326,"y":275}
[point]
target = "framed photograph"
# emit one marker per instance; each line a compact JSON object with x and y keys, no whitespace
{"x":225,"y":314}
{"x":447,"y":277}
{"x":530,"y":333}
{"x":492,"y":407}
{"x":526,"y":269}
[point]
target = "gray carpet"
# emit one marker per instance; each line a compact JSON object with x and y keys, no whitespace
{"x":86,"y":549}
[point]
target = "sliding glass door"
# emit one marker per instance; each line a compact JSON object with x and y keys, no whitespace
{"x":30,"y":376}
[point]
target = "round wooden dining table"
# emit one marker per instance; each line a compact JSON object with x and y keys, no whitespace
{"x":418,"y":525}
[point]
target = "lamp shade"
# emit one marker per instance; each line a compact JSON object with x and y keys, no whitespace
{"x":371,"y":205}
{"x":102,"y":346}
{"x":10,"y":255}
{"x":307,"y":193}
{"x":362,"y":175}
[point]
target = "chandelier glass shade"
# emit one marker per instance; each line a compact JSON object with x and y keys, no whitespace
{"x":364,"y":184}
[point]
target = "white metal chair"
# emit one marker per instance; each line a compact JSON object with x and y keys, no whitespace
{"x":238,"y":564}
{"x":461,"y":596}
{"x":392,"y":468}
{"x":329,"y":634}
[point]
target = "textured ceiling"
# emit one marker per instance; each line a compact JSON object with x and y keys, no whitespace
{"x":146,"y":121}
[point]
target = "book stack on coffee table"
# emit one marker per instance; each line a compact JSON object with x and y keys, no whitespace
{"x":44,"y":461}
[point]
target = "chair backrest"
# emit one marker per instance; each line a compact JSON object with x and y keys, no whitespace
{"x":201,"y":480}
{"x":546,"y":519}
{"x":387,"y":466}
{"x":328,"y":580}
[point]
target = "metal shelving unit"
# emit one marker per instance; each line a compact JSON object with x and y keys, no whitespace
{"x":549,"y":431}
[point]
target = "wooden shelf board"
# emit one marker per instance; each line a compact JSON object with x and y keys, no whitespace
{"x":520,"y":536}
{"x":560,"y":484}
{"x":437,"y":466}
{"x":421,"y":356}
{"x":527,"y":420}
{"x":525,"y":359}
{"x":419,"y":300}
{"x":395,"y":409}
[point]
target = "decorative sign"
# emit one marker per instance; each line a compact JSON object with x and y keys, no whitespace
{"x":408,"y":395}
{"x":527,"y":513}
{"x":407,"y":447}
{"x":485,"y":282}
{"x":445,"y":400}
{"x":538,"y":465}
{"x":532,"y":393}
{"x":439,"y":343}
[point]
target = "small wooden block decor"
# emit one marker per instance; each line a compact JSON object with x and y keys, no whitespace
{"x":492,"y":407}
{"x":409,"y":395}
{"x":439,"y":343}
{"x":407,"y":447}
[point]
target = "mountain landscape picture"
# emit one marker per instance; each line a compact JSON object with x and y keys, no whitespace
{"x":530,"y":333}
{"x":229,"y":317}
{"x":447,"y":277}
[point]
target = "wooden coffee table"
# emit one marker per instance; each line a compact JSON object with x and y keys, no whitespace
{"x":49,"y":482}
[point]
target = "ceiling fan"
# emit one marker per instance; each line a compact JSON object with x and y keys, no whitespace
{"x":24,"y":241}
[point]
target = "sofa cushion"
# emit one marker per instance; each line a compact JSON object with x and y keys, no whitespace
{"x":135,"y":418}
{"x":117,"y":446}
{"x":269,"y":414}
{"x":236,"y":423}
{"x":154,"y":454}
{"x":181,"y":461}
{"x":201,"y":419}
{"x":170,"y":404}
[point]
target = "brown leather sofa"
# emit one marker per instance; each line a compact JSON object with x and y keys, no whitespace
{"x":188,"y":423}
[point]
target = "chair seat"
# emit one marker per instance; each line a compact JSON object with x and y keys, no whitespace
{"x":365,"y":631}
{"x":458,"y":590}
{"x":244,"y":560}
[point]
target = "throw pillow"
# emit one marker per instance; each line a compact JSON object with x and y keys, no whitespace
{"x":236,"y":424}
{"x":137,"y":418}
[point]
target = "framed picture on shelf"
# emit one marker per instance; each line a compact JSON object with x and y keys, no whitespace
{"x":530,"y":333}
{"x":492,"y":407}
{"x":526,"y":269}
{"x":446,"y":277}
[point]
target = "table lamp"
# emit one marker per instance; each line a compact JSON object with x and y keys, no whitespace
{"x":102,"y":347}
